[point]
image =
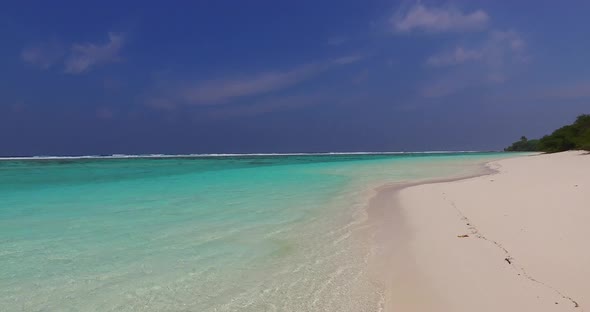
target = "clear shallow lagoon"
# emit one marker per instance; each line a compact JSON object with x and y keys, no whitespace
{"x":244,"y":233}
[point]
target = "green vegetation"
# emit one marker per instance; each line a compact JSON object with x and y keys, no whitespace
{"x":523,"y":145}
{"x":571,"y":137}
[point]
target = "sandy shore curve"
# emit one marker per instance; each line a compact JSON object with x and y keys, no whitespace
{"x":513,"y":240}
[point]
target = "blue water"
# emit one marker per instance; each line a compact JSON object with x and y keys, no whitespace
{"x":244,"y":233}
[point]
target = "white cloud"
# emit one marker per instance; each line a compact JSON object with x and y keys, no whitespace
{"x":438,"y":20}
{"x":83,"y":57}
{"x":497,"y":50}
{"x":222,"y":90}
{"x":43,"y":55}
{"x":505,"y":46}
{"x":457,"y":56}
{"x":170,"y":94}
{"x":492,"y":61}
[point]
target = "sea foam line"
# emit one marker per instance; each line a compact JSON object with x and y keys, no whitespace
{"x":122,"y":156}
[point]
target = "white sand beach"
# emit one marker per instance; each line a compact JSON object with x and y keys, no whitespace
{"x":515,"y":240}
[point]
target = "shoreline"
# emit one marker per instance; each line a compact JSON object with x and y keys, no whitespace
{"x":441,"y":245}
{"x":390,"y":240}
{"x":158,"y":155}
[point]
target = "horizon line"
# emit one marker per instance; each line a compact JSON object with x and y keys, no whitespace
{"x":125,"y":156}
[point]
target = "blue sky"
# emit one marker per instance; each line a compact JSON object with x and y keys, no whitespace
{"x":277,"y":76}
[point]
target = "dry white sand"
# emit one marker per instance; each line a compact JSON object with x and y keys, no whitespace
{"x":516,"y":240}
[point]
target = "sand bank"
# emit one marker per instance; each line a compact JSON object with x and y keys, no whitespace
{"x":515,"y":240}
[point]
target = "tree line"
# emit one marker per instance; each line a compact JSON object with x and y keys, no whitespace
{"x":575,"y":136}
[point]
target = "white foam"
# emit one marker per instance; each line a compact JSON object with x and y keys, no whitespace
{"x":122,"y":156}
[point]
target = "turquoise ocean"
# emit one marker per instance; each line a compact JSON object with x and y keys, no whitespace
{"x":199,"y":233}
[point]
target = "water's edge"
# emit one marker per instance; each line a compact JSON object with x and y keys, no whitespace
{"x":392,"y":260}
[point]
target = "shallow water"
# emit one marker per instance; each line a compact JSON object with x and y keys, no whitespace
{"x":244,"y":233}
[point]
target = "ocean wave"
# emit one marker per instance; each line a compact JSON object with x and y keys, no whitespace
{"x":123,"y":156}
